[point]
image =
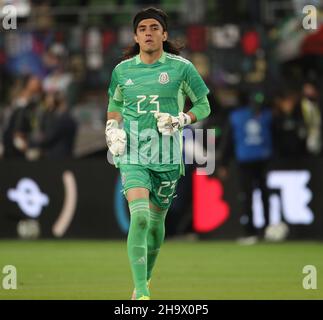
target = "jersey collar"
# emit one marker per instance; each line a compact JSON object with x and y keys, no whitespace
{"x":162,"y":58}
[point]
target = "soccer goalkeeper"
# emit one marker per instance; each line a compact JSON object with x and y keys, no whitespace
{"x":147,"y":92}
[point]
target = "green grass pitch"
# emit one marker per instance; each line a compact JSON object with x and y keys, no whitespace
{"x":185,"y":270}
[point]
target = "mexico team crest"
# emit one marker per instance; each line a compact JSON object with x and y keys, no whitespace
{"x":163,"y":78}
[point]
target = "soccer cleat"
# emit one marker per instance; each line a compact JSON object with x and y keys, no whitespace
{"x":133,"y":296}
{"x":144,"y":298}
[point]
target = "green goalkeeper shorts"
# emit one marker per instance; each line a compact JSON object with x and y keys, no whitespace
{"x":161,"y":185}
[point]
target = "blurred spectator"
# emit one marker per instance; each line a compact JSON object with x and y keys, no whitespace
{"x":313,"y":118}
{"x":57,"y":130}
{"x":58,"y":79}
{"x":248,"y":136}
{"x":22,"y":120}
{"x":289,"y":126}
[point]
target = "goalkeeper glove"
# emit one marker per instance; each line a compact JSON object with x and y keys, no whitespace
{"x":116,"y":138}
{"x":168,"y":124}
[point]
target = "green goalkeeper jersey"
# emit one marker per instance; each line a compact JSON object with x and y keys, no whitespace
{"x":138,"y":90}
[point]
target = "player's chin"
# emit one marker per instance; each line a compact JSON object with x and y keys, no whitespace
{"x":149,"y":50}
{"x":150,"y":47}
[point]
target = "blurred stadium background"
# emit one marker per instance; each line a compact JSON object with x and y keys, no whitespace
{"x":63,"y":220}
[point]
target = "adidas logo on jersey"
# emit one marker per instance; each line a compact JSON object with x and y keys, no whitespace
{"x":129,"y":82}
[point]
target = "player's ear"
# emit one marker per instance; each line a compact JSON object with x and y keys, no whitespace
{"x":135,"y":38}
{"x":165,"y":35}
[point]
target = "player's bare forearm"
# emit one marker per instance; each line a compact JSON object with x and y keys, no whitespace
{"x":114,"y":115}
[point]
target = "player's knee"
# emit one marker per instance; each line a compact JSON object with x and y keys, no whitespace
{"x":155,"y":232}
{"x":142,"y":222}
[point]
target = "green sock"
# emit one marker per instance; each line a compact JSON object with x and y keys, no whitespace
{"x":156,"y":235}
{"x":137,"y":244}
